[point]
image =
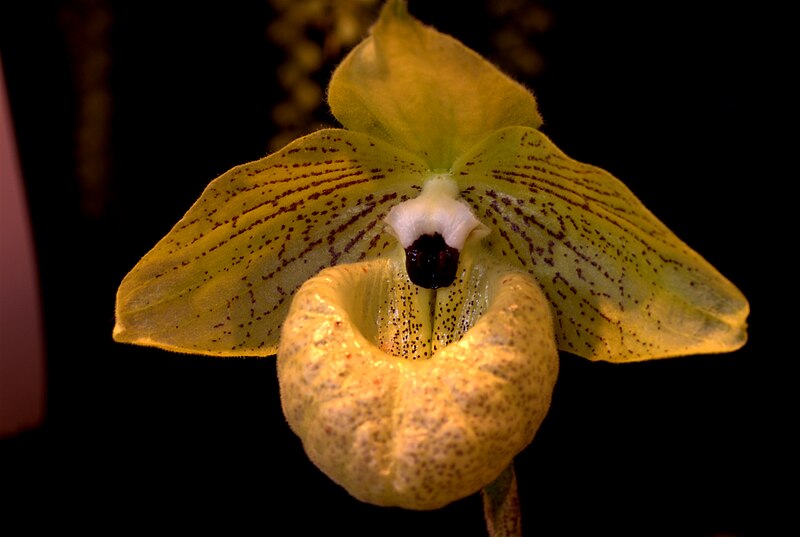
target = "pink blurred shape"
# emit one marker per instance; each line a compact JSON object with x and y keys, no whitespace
{"x":22,"y":367}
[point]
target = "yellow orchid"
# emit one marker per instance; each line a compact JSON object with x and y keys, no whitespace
{"x":417,"y":272}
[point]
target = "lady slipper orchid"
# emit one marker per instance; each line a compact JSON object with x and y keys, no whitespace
{"x":418,"y":270}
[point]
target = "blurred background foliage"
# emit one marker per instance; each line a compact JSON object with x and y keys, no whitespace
{"x":124,"y":111}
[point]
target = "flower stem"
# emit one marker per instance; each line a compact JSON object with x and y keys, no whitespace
{"x":501,"y":505}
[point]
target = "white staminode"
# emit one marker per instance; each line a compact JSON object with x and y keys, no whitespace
{"x":436,"y":210}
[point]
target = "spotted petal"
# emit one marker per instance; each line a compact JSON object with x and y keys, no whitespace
{"x":414,"y":397}
{"x":425,"y":91}
{"x":221,"y":281}
{"x":622,"y":285}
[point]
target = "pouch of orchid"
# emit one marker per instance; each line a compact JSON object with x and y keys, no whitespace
{"x":418,"y":271}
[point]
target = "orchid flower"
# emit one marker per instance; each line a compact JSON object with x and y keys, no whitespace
{"x":418,"y":270}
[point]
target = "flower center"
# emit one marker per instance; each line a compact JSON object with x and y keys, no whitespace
{"x":433,"y":228}
{"x":412,"y":321}
{"x":430,"y":262}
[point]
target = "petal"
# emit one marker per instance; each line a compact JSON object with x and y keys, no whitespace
{"x":421,"y":433}
{"x":221,"y":281}
{"x":622,"y":285}
{"x":423,"y":90}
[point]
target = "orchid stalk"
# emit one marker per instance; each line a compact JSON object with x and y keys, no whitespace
{"x":417,"y":272}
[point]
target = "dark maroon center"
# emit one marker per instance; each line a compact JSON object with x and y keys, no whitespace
{"x":430,"y":262}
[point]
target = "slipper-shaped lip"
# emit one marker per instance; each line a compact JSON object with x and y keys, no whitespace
{"x":415,"y":433}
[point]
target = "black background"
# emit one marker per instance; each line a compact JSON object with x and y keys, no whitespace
{"x":680,"y":101}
